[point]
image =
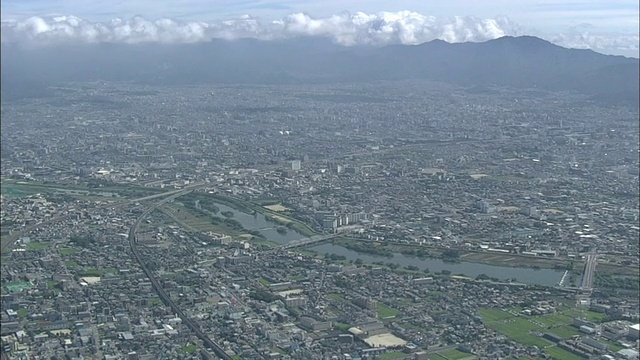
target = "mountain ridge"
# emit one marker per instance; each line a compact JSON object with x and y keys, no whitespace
{"x":521,"y":62}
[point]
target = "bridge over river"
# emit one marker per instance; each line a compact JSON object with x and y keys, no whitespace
{"x":316,"y":239}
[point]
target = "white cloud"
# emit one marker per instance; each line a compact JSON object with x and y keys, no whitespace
{"x":611,"y":44}
{"x":383,"y":28}
{"x":404,"y":27}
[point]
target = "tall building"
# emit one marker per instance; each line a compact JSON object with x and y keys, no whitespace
{"x":295,"y":165}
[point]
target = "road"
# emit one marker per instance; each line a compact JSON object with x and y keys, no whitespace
{"x":96,"y":341}
{"x":589,"y":272}
{"x":9,"y":241}
{"x":133,"y":243}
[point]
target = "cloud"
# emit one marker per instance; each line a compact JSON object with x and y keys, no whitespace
{"x":607,"y":43}
{"x":383,"y":28}
{"x":403,"y":27}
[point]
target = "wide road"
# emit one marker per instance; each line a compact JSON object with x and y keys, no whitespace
{"x":589,"y":272}
{"x":7,"y":243}
{"x":133,"y":243}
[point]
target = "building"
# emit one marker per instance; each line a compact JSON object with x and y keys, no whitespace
{"x":314,"y":325}
{"x":295,"y":301}
{"x":366,"y":303}
{"x":634,"y":331}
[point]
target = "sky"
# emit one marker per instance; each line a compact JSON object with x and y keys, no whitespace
{"x":606,"y":26}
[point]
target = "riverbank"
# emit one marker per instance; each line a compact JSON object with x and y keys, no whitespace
{"x":471,"y":256}
{"x":270,"y":215}
{"x":431,"y":265}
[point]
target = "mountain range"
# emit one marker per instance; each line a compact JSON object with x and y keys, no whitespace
{"x":519,"y":62}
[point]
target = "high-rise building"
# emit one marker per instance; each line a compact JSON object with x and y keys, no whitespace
{"x":295,"y":165}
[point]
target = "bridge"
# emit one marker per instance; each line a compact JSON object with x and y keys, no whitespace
{"x":308,"y":241}
{"x":589,"y":272}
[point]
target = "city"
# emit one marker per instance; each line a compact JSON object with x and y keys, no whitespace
{"x":385,"y":220}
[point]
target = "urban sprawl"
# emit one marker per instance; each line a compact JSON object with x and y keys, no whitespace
{"x":394,"y":220}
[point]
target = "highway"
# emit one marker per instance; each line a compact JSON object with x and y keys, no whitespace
{"x":133,"y":243}
{"x":9,"y":241}
{"x":589,"y":272}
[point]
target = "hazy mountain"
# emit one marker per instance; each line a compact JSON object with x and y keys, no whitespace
{"x":523,"y":62}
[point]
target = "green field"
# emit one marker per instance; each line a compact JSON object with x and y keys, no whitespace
{"x":154,"y":301}
{"x":561,"y":354}
{"x":554,"y":319}
{"x":187,"y":219}
{"x":16,"y":287}
{"x":13,"y":189}
{"x":437,"y":357}
{"x":386,"y":312}
{"x":96,"y":272}
{"x":263,"y":242}
{"x":455,"y":354}
{"x":521,"y":328}
{"x":515,"y":328}
{"x":595,"y":317}
{"x":38,"y":245}
{"x":189,"y":349}
{"x":27,"y":188}
{"x":565,"y":331}
{"x":494,"y":315}
{"x":22,"y":313}
{"x":393,"y":355}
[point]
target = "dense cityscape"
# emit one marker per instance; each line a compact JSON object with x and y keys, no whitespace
{"x":388,"y":220}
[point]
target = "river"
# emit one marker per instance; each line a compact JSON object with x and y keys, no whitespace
{"x":547,"y":277}
{"x":260,"y":223}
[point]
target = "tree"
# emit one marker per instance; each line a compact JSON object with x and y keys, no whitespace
{"x":450,"y":254}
